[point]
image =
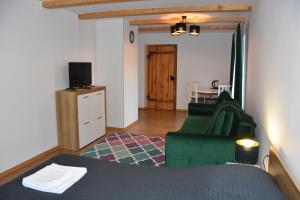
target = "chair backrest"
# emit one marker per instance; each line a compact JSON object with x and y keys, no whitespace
{"x":193,"y":89}
{"x":222,"y":88}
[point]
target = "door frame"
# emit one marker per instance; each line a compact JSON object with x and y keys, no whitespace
{"x":175,"y":70}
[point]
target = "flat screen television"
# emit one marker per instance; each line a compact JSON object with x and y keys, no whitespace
{"x":80,"y":74}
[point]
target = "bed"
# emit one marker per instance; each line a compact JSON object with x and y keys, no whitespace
{"x":108,"y":180}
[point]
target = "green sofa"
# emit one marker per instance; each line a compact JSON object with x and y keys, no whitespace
{"x":209,"y":138}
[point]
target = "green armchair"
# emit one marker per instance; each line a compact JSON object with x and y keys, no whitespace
{"x":207,"y":140}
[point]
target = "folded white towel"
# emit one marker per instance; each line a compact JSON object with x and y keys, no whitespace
{"x":54,"y":178}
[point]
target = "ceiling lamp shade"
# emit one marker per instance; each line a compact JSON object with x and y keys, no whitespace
{"x":194,"y":30}
{"x":173,"y":31}
{"x":181,"y":27}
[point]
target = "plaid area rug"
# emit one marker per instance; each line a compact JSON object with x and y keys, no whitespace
{"x":130,"y":149}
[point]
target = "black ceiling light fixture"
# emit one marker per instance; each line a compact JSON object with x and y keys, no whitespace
{"x":181,"y":27}
{"x":173,"y":31}
{"x":194,"y":30}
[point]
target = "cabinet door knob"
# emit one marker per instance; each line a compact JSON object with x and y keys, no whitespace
{"x":99,"y":117}
{"x":85,"y":123}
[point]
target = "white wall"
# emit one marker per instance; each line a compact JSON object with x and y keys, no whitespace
{"x":109,"y":70}
{"x":202,"y":59}
{"x":36,"y":45}
{"x":87,"y":43}
{"x":130,"y":75}
{"x":117,"y":68}
{"x":273,"y":78}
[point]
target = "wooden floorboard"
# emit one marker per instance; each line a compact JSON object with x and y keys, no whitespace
{"x":157,"y":122}
{"x":150,"y":122}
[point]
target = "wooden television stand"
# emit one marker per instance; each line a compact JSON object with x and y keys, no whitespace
{"x":80,"y":117}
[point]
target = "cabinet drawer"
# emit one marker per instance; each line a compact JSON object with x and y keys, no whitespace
{"x":85,"y":136}
{"x":91,"y":130}
{"x":84,"y":107}
{"x":98,"y":101}
{"x":99,"y":125}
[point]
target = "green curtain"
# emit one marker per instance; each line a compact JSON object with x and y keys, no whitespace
{"x":236,"y":71}
{"x":232,"y":59}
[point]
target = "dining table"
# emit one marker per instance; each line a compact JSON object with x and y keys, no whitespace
{"x":207,"y":92}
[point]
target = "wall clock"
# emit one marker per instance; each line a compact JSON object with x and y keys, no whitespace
{"x":131,"y":36}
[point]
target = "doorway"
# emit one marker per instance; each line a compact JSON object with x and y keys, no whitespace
{"x":161,"y":76}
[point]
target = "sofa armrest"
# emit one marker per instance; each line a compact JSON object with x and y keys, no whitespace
{"x":185,"y":150}
{"x":201,"y":109}
{"x":246,"y":130}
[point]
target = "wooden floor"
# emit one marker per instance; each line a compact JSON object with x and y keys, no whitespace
{"x":151,"y":122}
{"x":156,"y":122}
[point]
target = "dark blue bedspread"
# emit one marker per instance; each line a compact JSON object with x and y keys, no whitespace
{"x":107,"y":180}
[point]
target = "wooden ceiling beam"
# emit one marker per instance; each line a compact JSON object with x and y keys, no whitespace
{"x":166,"y":28}
{"x":168,"y":10}
{"x":69,"y":3}
{"x":189,"y":20}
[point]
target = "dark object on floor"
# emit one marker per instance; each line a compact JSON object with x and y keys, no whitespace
{"x":110,"y":181}
{"x":209,"y":139}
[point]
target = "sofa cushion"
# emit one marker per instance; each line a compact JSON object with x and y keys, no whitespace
{"x":224,"y":96}
{"x":185,"y":150}
{"x":195,"y":124}
{"x":225,"y":123}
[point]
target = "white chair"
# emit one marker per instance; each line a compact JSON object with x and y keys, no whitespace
{"x":193,"y":91}
{"x":222,"y":88}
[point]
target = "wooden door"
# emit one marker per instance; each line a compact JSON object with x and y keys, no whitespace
{"x":161,"y":87}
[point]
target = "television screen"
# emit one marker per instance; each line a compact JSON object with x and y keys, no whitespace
{"x":80,"y":74}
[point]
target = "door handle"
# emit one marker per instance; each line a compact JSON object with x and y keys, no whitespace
{"x":99,"y":117}
{"x":98,"y":93}
{"x":86,"y":97}
{"x":86,"y":123}
{"x":172,"y":78}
